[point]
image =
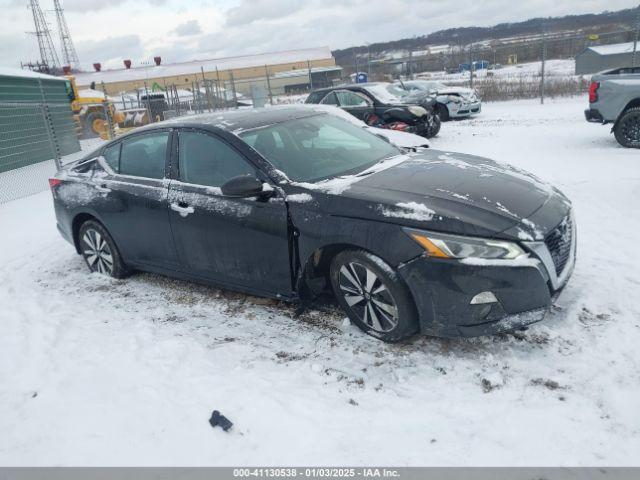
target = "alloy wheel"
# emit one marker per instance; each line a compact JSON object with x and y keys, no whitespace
{"x":368,"y":297}
{"x":631,"y":129}
{"x":97,"y":253}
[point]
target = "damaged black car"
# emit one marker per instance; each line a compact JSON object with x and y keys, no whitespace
{"x":382,"y":105}
{"x":290,"y":203}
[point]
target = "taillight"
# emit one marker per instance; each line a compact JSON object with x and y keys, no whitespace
{"x":54,"y":182}
{"x":593,"y":92}
{"x":398,"y":126}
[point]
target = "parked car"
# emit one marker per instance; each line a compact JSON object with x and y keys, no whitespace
{"x":451,"y":102}
{"x":381,"y":105}
{"x":409,"y":142}
{"x":291,"y":202}
{"x":614,"y":97}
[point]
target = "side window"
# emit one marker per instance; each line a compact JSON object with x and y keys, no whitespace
{"x":145,"y":155}
{"x":330,"y":99}
{"x":205,"y":160}
{"x":351,"y":99}
{"x":112,"y":155}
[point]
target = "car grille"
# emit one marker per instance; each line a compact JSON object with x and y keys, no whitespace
{"x":559,"y":243}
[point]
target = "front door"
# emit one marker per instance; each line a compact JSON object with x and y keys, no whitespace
{"x":241,"y":242}
{"x":134,"y":208}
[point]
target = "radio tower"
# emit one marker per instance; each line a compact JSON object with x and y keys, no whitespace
{"x":48,"y":56}
{"x":68,"y":50}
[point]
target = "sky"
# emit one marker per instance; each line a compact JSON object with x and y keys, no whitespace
{"x":108,"y":31}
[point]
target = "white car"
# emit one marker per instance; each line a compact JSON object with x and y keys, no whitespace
{"x":452,"y":102}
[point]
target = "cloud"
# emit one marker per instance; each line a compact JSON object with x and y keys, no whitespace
{"x":111,"y":51}
{"x":249,"y":11}
{"x":191,"y":27}
{"x":186,"y":29}
{"x":84,"y":5}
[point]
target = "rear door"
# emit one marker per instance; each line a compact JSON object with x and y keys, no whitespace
{"x":242,"y":242}
{"x":135,"y":198}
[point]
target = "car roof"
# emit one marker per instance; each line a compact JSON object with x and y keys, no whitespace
{"x":236,"y":121}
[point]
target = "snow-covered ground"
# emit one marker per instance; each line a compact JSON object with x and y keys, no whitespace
{"x":95,"y":371}
{"x":559,"y":68}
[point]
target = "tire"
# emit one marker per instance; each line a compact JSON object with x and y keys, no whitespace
{"x":434,"y":128}
{"x":443,"y":113}
{"x":373,"y":296}
{"x":627,"y":130}
{"x":89,"y":120}
{"x":99,"y":251}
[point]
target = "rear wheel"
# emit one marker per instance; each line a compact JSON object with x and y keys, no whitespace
{"x":99,"y":250}
{"x":373,"y":296}
{"x":627,"y":131}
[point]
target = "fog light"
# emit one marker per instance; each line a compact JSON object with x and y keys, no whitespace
{"x":484,"y":297}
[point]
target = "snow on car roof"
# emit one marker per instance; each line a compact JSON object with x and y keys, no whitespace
{"x":237,"y":121}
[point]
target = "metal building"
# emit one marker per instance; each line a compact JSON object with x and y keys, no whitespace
{"x":605,"y":57}
{"x":289,"y":70}
{"x":36,"y":122}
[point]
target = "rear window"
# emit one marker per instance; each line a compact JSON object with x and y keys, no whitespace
{"x":315,"y":97}
{"x":112,"y":156}
{"x":144,"y":155}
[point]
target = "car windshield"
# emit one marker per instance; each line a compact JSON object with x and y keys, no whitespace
{"x":319,"y":147}
{"x":386,"y":92}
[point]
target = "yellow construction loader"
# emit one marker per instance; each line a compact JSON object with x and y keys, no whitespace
{"x":90,"y":111}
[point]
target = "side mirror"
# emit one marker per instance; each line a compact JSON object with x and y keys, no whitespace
{"x":242,"y":186}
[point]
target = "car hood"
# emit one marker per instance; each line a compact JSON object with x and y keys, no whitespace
{"x":465,"y":92}
{"x":451,"y":192}
{"x":461,"y":91}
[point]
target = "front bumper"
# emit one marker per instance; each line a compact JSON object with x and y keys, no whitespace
{"x":464,"y":109}
{"x":443,"y":291}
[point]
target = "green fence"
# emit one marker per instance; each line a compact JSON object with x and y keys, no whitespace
{"x":36,"y":122}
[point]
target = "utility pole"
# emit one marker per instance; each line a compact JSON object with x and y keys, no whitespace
{"x":471,"y":65}
{"x":410,"y":65}
{"x":544,"y":57}
{"x":310,"y":75}
{"x":368,"y":62}
{"x":635,"y":40}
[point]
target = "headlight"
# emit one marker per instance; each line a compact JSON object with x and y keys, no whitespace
{"x":442,"y":245}
{"x":417,"y":111}
{"x":454,"y":98}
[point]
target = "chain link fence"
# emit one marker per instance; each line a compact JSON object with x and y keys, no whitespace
{"x":498,"y":69}
{"x":35,"y":141}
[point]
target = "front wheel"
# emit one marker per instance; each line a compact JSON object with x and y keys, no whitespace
{"x":373,"y":295}
{"x":433,"y":125}
{"x":443,"y":112}
{"x":627,"y":130}
{"x":99,"y":250}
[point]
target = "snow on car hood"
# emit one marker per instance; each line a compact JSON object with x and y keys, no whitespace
{"x":457,"y":193}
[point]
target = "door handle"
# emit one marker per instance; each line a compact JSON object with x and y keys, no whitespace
{"x":183,"y":211}
{"x":102,"y":188}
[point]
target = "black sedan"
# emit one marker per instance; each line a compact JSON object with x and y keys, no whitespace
{"x":381,"y":105}
{"x":290,"y":202}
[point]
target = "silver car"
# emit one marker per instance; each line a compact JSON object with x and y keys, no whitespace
{"x":452,"y":102}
